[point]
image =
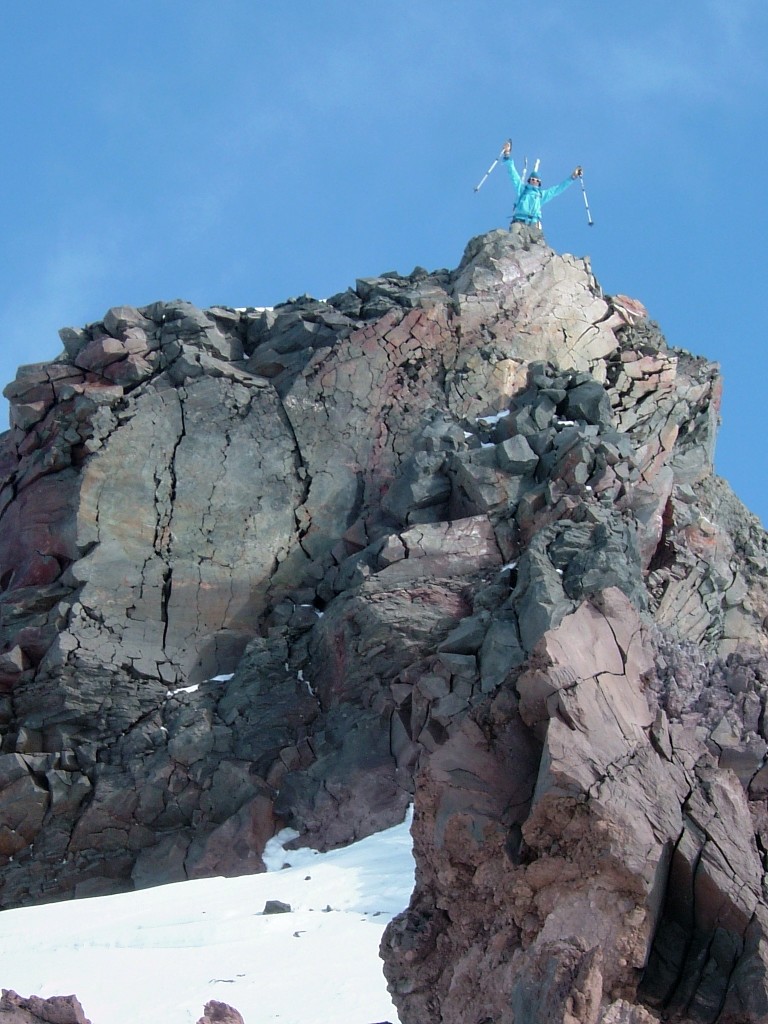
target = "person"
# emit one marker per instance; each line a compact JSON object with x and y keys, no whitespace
{"x":530,"y":195}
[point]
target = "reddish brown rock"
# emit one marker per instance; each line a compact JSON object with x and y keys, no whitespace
{"x":100,"y":353}
{"x":453,"y":536}
{"x":235,"y":847}
{"x":14,"y":1009}
{"x":220,"y":1013}
{"x":566,"y":894}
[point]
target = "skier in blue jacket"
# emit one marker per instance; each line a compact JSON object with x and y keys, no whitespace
{"x":530,"y":195}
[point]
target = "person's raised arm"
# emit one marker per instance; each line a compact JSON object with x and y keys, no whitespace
{"x":555,"y":190}
{"x":509,"y":163}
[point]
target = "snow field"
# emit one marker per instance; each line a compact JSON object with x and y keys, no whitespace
{"x":162,"y":953}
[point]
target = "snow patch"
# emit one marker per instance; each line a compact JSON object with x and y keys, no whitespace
{"x":494,"y":418}
{"x":301,"y":679}
{"x":183,"y":689}
{"x":190,"y":942}
{"x":318,"y":613}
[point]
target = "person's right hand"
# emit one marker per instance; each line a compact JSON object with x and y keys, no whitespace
{"x":507,"y":147}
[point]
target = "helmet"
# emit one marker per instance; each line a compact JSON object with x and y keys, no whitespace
{"x":536,"y":175}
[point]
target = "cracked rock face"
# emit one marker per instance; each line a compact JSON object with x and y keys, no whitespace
{"x":584,"y":854}
{"x":453,"y":538}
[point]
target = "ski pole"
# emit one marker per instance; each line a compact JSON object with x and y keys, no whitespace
{"x":522,"y":185}
{"x":586,"y":201}
{"x":483,"y":179}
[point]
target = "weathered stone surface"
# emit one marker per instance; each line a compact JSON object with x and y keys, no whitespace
{"x":581,"y":883}
{"x":14,"y":1009}
{"x":220,"y":1013}
{"x":276,"y":907}
{"x":451,"y":537}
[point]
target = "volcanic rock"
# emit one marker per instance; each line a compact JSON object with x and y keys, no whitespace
{"x":14,"y":1009}
{"x":220,"y":1013}
{"x":451,"y":538}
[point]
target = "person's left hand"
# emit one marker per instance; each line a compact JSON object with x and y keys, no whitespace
{"x":578,"y":172}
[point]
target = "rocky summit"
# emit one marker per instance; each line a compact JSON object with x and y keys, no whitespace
{"x":451,"y":538}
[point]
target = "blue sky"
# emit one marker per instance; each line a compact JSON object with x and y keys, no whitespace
{"x":242,"y":153}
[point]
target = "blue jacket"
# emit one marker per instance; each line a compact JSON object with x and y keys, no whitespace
{"x":531,"y":198}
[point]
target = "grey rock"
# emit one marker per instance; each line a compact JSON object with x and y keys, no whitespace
{"x":276,"y":907}
{"x":539,"y":598}
{"x":466,"y":638}
{"x":589,"y":402}
{"x":255,"y":570}
{"x":500,"y":653}
{"x":515,"y":455}
{"x":421,"y":485}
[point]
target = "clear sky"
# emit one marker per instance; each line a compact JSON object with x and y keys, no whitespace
{"x":243,"y":152}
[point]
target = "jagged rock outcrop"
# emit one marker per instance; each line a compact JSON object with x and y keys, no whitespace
{"x":453,"y":535}
{"x":15,"y":1009}
{"x":220,"y":1013}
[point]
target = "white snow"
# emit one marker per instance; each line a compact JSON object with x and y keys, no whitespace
{"x":301,"y":679}
{"x":196,"y":686}
{"x":318,"y":613}
{"x":183,"y":689}
{"x":494,"y":418}
{"x":162,"y":953}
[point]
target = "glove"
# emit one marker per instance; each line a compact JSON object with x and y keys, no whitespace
{"x":578,"y":173}
{"x":507,"y":147}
